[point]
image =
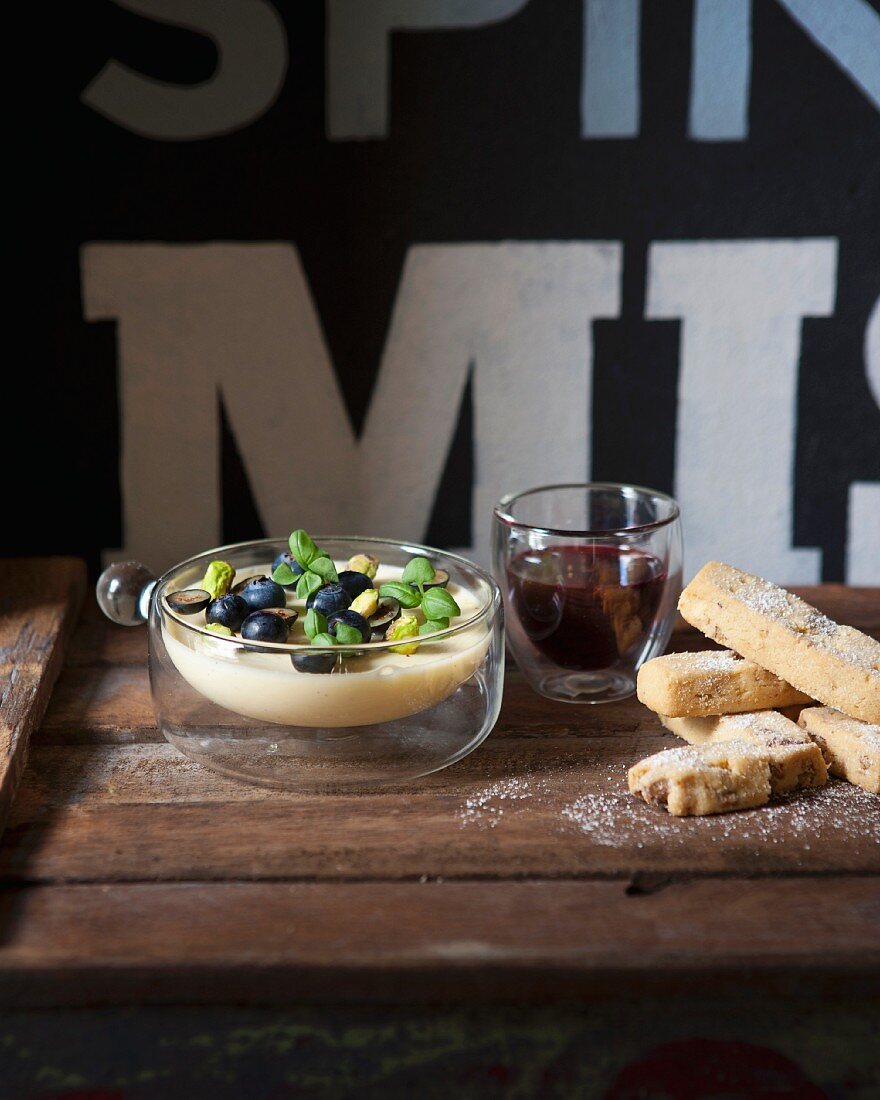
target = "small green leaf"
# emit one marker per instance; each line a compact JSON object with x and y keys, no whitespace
{"x":433,"y":625}
{"x":346,"y":634}
{"x":325,"y":569}
{"x":314,"y":623}
{"x":323,"y":639}
{"x":438,"y":604}
{"x":308,"y":583}
{"x":405,"y":596}
{"x":283,"y":574}
{"x":303,"y":549}
{"x":418,"y":571}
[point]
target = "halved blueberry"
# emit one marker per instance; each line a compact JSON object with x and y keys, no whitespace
{"x":286,"y":558}
{"x":287,"y":614}
{"x":386,"y":613}
{"x":189,"y":601}
{"x":322,"y":662}
{"x":439,"y":580}
{"x":262,"y":592}
{"x":263,"y":626}
{"x":228,"y":610}
{"x":350,"y":618}
{"x":354,"y":583}
{"x":236,"y":589}
{"x":329,"y":599}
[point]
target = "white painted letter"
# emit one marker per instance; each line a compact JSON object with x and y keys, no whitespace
{"x":252,"y":62}
{"x":848,"y":31}
{"x":195,"y":320}
{"x":610,"y":96}
{"x":741,"y":304}
{"x":863,"y":528}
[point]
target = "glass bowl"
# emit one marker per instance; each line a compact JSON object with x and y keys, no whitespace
{"x":380,"y":718}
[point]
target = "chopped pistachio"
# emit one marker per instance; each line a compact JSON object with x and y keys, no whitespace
{"x":219,"y":628}
{"x":364,"y":563}
{"x":407,"y":626}
{"x":367,"y":603}
{"x":218,"y":579}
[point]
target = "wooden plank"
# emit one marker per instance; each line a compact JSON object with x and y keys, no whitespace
{"x":249,"y":943}
{"x":545,"y":795}
{"x":39,"y":601}
{"x":97,"y":641}
{"x":515,"y":809}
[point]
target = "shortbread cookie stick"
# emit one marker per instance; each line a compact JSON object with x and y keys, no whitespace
{"x":837,"y":665}
{"x":686,"y":685}
{"x":794,"y":760}
{"x":709,"y":780}
{"x":851,"y":748}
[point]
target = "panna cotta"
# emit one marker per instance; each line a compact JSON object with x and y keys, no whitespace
{"x":388,"y":665}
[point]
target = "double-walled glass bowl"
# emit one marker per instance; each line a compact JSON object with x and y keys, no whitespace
{"x":379,"y":718}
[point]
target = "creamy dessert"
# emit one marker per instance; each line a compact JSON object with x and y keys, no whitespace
{"x":314,"y":642}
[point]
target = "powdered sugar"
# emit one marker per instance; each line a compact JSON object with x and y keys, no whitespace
{"x":613,"y":818}
{"x":616,"y":819}
{"x":487,"y":807}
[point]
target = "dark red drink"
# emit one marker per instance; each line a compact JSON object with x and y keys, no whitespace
{"x":585,"y":607}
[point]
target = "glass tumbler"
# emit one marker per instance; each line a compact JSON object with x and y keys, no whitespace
{"x":591,"y":575}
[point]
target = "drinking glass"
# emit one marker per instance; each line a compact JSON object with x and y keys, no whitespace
{"x":591,"y":575}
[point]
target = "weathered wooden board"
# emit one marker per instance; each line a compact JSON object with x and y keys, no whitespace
{"x":39,"y":602}
{"x":421,"y":942}
{"x":539,"y":807}
{"x":527,"y":870}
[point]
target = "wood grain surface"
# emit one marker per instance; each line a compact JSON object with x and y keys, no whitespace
{"x":133,"y":875}
{"x":39,"y":602}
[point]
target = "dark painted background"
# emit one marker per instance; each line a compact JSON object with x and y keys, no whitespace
{"x":484,"y":144}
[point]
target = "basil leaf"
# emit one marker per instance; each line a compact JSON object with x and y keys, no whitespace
{"x":314,"y":623}
{"x":323,"y":639}
{"x":418,"y":571}
{"x":433,"y":625}
{"x":283,"y":574}
{"x":325,"y":569}
{"x":308,"y":583}
{"x":303,"y":549}
{"x":438,"y":604}
{"x":405,"y":596}
{"x":346,"y":634}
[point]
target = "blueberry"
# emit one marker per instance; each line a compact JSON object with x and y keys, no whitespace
{"x":229,"y":610}
{"x":287,"y":614}
{"x":286,"y":558}
{"x":314,"y":662}
{"x":264,"y":626}
{"x":329,"y":599}
{"x":189,"y":601}
{"x":350,"y":618}
{"x":354,"y":583}
{"x":262,"y":592}
{"x":386,"y":613}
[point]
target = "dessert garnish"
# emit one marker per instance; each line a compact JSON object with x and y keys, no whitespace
{"x":189,"y":601}
{"x":228,"y":611}
{"x":218,"y":579}
{"x":343,"y":608}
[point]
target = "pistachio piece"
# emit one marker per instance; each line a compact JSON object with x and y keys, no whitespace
{"x":366,"y":604}
{"x":407,"y":626}
{"x":219,"y":628}
{"x":218,"y":578}
{"x":364,"y":563}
